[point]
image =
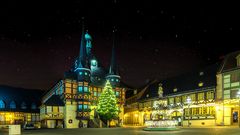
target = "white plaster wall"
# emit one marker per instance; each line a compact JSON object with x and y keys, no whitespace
{"x":70,"y":113}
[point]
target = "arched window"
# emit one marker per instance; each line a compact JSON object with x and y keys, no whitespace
{"x":23,"y":105}
{"x":93,"y":63}
{"x":12,"y":105}
{"x":33,"y":106}
{"x":2,"y":104}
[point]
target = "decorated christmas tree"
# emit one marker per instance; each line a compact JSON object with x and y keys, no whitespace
{"x":107,"y":105}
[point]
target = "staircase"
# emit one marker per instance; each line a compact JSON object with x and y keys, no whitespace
{"x":95,"y":123}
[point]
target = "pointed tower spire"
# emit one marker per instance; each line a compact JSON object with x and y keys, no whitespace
{"x":82,"y":62}
{"x":113,"y":66}
{"x":113,"y":75}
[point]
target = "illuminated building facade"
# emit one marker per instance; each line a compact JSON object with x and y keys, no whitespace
{"x":78,"y":92}
{"x":213,"y":94}
{"x":19,"y":106}
{"x":227,"y":97}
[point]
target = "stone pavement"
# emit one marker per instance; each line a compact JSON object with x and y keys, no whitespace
{"x":132,"y":131}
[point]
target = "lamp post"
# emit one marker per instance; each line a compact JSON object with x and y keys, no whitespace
{"x":188,"y":102}
{"x":238,"y":95}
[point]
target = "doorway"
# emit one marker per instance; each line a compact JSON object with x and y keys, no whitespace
{"x":235,"y":117}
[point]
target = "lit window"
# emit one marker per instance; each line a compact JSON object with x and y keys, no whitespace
{"x":200,"y":84}
{"x":85,"y":107}
{"x":200,"y":96}
{"x":135,"y":92}
{"x":112,"y":80}
{"x":210,"y":95}
{"x":147,"y":95}
{"x":116,"y":80}
{"x":2,"y":104}
{"x":171,"y":101}
{"x":23,"y":105}
{"x":80,"y":107}
{"x":85,"y":89}
{"x":49,"y":109}
{"x":94,"y":63}
{"x":80,"y":89}
{"x":175,"y":90}
{"x":95,"y":93}
{"x":193,"y":97}
{"x":80,"y":73}
{"x":33,"y":106}
{"x":117,"y":93}
{"x":86,"y":73}
{"x":12,"y":105}
{"x":177,"y":100}
{"x":201,"y":73}
{"x":226,"y":81}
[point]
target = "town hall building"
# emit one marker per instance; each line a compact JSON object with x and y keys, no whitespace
{"x":72,"y":101}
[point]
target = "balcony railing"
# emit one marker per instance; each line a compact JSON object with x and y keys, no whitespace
{"x":53,"y":116}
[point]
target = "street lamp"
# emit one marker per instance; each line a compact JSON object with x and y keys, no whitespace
{"x":188,"y":102}
{"x":238,"y":95}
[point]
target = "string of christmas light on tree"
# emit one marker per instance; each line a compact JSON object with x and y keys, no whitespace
{"x":107,"y":107}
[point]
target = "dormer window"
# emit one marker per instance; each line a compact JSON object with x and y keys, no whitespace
{"x":12,"y":105}
{"x":135,"y":92}
{"x":175,"y":90}
{"x":23,"y":105}
{"x":93,"y":63}
{"x":238,"y":60}
{"x":2,"y":104}
{"x":200,"y":84}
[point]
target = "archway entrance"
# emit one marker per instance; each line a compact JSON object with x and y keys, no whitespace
{"x":177,"y":115}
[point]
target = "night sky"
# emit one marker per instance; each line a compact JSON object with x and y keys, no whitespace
{"x":39,"y":40}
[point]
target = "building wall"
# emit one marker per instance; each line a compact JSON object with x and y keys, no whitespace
{"x":219,"y":114}
{"x":131,"y":118}
{"x":52,"y":116}
{"x":7,"y":117}
{"x":228,"y":84}
{"x":201,"y":109}
{"x":70,"y":115}
{"x":200,"y":123}
{"x":227,"y":115}
{"x":219,"y":87}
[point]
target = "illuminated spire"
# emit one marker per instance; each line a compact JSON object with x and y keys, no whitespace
{"x":82,"y":61}
{"x":113,"y":66}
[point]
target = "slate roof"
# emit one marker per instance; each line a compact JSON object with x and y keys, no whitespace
{"x":130,"y":91}
{"x":184,"y":83}
{"x":98,"y":77}
{"x":230,"y":62}
{"x":20,"y":95}
{"x":54,"y":100}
